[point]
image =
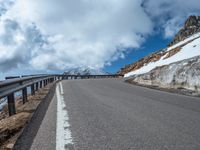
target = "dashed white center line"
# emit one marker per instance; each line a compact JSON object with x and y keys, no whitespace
{"x":63,"y":134}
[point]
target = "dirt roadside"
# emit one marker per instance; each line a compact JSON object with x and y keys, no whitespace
{"x":12,"y":127}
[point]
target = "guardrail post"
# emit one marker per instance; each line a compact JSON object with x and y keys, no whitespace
{"x":24,"y":95}
{"x":11,"y":104}
{"x":36,"y":86}
{"x":40,"y":84}
{"x":32,"y":89}
{"x":45,"y":82}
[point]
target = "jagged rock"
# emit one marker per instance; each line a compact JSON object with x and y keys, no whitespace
{"x":191,"y":26}
{"x":10,"y":146}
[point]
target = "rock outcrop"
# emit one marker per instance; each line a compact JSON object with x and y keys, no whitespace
{"x":191,"y":26}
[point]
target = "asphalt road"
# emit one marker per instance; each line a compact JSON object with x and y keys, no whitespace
{"x":108,"y":114}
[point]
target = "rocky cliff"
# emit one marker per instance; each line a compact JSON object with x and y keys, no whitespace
{"x":191,"y":26}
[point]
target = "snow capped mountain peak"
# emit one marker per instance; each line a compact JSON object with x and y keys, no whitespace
{"x":85,"y":71}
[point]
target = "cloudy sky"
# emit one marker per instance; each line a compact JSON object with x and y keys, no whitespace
{"x":49,"y":36}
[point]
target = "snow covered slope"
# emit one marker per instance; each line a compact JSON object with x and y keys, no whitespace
{"x":175,"y":67}
{"x":188,"y":48}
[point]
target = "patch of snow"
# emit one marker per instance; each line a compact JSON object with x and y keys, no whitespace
{"x":197,"y":35}
{"x":185,"y":63}
{"x":3,"y":102}
{"x":187,"y":51}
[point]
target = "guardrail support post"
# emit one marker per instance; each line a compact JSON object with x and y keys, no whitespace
{"x":32,"y":89}
{"x":40,"y":84}
{"x":24,"y":95}
{"x":36,"y":86}
{"x":44,"y":83}
{"x":11,"y":104}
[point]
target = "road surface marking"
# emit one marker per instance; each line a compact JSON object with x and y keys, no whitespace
{"x":63,"y":134}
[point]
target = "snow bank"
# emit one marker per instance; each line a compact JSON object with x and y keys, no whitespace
{"x":184,"y":74}
{"x":3,"y":102}
{"x":197,"y":35}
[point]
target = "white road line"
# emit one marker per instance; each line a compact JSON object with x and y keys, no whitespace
{"x":61,"y":88}
{"x":63,"y":134}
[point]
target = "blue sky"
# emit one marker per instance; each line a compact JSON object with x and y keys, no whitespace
{"x":152,"y":44}
{"x":47,"y":36}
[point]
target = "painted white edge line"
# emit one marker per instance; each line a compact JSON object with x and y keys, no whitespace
{"x":63,"y":134}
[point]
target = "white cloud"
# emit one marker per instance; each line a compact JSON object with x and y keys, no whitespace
{"x":171,"y":14}
{"x":55,"y":35}
{"x":72,"y":33}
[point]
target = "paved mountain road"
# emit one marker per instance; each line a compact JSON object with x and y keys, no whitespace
{"x":108,"y":114}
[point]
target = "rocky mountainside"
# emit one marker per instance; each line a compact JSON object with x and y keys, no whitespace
{"x":191,"y":26}
{"x":177,"y":66}
{"x":187,"y":34}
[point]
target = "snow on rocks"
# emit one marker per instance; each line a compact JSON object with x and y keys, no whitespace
{"x":189,"y":50}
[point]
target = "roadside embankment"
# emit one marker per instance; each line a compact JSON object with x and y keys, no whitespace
{"x":12,"y":127}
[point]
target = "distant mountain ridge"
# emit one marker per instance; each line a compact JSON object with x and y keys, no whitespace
{"x":85,"y":71}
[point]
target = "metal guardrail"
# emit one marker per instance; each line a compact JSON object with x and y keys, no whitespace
{"x":14,"y":84}
{"x":66,"y":76}
{"x":10,"y":86}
